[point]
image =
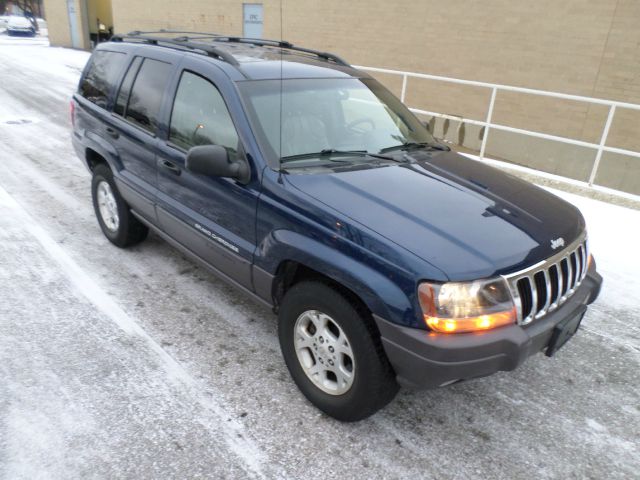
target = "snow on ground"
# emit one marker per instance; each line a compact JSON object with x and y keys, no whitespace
{"x":136,"y":363}
{"x":613,"y":238}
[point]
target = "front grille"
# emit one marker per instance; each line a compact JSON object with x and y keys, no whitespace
{"x":542,"y":288}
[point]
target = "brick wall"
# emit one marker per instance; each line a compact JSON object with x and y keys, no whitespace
{"x":584,"y":47}
{"x":58,"y":22}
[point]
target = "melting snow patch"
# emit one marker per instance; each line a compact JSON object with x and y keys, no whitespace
{"x":234,"y":433}
{"x":16,"y":121}
{"x":593,"y":425}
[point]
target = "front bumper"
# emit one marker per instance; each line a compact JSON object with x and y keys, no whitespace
{"x":424,"y":359}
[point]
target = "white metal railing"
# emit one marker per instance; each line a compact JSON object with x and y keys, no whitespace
{"x":487,"y":123}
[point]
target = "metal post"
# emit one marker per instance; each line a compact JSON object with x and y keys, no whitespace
{"x":603,"y":141}
{"x":494,"y":90}
{"x":404,"y":88}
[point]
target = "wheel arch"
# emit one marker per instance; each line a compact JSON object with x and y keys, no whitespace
{"x":97,"y":150}
{"x":291,"y":272}
{"x":92,"y":158}
{"x":299,"y":257}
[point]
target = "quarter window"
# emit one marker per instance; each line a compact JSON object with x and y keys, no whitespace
{"x":200,"y":116}
{"x":101,"y":76}
{"x":125,"y":88}
{"x":144,"y":102}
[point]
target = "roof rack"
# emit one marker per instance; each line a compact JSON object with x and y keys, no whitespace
{"x":284,"y":45}
{"x":178,"y":44}
{"x":187,"y":37}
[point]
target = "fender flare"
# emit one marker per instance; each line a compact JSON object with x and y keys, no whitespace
{"x":93,"y":141}
{"x":382,"y":296}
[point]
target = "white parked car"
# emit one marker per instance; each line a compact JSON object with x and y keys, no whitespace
{"x":43,"y":30}
{"x":20,"y":26}
{"x":4,"y":20}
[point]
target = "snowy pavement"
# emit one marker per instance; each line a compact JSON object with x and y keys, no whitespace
{"x":138,"y":364}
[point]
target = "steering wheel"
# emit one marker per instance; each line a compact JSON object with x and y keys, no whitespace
{"x":358,"y":121}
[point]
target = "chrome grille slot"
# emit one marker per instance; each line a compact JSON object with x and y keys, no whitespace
{"x":573,"y":263}
{"x":555,"y":285}
{"x":560,"y":283}
{"x":545,"y":286}
{"x":524,"y":289}
{"x":564,"y":272}
{"x":541,"y":287}
{"x":580,"y":259}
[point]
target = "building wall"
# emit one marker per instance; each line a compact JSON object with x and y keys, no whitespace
{"x":99,"y":9}
{"x":58,"y":22}
{"x":221,"y":16}
{"x":583,"y":47}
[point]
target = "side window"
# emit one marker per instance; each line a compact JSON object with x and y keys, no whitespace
{"x":146,"y":95}
{"x":200,"y":116}
{"x":125,"y":88}
{"x":101,"y":76}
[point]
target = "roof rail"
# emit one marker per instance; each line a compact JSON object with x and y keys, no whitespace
{"x":181,"y":43}
{"x":189,"y":36}
{"x":282,"y":44}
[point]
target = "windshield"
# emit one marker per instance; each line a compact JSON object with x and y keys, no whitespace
{"x":328,"y":114}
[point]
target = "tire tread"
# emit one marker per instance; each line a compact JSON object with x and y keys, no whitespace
{"x":131,"y":231}
{"x":366,"y":396}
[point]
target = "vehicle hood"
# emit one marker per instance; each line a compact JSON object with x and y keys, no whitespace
{"x":466,"y":218}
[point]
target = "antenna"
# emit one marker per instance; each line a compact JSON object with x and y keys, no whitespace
{"x":281,"y":95}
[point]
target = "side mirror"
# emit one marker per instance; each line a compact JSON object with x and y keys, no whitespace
{"x":213,"y":161}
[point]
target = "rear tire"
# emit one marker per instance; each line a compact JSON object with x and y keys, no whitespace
{"x":334,"y":353}
{"x":114,"y":216}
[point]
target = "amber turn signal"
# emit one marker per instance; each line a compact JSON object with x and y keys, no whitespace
{"x":470,"y":324}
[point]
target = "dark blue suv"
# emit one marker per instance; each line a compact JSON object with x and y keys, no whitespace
{"x":389,"y":259}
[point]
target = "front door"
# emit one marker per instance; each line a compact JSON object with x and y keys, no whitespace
{"x":213,"y":217}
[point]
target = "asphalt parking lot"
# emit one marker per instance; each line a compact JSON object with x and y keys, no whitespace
{"x":137,"y":363}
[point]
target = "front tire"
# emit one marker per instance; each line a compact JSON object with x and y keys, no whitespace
{"x":114,"y":216}
{"x":334,"y":353}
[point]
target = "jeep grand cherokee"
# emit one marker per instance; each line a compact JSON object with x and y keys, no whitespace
{"x":389,"y":259}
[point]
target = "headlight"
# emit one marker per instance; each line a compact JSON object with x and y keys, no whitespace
{"x":457,"y":307}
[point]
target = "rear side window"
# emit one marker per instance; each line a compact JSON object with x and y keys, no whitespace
{"x":200,"y":116}
{"x":143,"y":105}
{"x":101,"y":76}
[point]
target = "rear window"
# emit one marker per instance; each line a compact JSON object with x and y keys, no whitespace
{"x":143,"y":105}
{"x":101,"y":76}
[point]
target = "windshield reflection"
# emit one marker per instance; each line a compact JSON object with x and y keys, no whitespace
{"x":302,"y":117}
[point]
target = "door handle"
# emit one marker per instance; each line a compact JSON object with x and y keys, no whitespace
{"x":172,"y":167}
{"x":112,"y":132}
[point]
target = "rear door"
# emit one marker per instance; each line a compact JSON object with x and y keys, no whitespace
{"x":133,"y":127}
{"x":95,"y":95}
{"x":213,"y":217}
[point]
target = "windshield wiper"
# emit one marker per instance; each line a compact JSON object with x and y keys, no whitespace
{"x":330,"y":152}
{"x":415,"y":146}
